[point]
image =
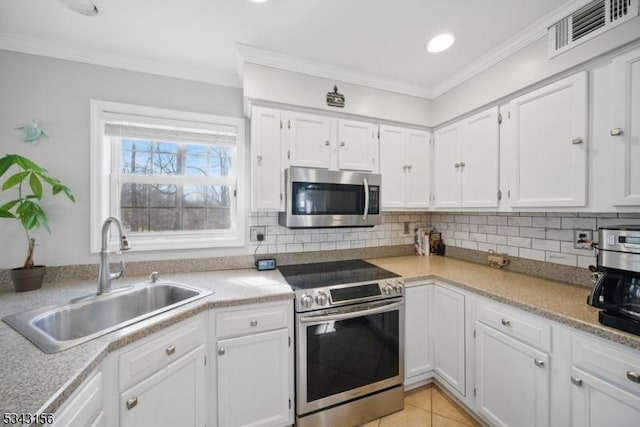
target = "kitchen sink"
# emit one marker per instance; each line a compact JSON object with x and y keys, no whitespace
{"x":56,"y":328}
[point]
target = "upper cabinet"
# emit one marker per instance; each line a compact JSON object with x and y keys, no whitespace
{"x":309,"y":138}
{"x":546,"y":135}
{"x":357,"y":145}
{"x":466,"y":160}
{"x":266,"y":159}
{"x":405,"y":167}
{"x":625,"y":135}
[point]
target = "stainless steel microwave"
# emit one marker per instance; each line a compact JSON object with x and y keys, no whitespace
{"x":319,"y":198}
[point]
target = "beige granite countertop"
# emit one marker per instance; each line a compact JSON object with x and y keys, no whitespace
{"x":562,"y":302}
{"x":33,"y":381}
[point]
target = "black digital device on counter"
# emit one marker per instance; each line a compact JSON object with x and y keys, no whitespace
{"x":266,"y":264}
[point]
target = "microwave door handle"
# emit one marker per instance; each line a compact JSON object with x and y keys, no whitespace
{"x":350,"y":314}
{"x":366,"y":200}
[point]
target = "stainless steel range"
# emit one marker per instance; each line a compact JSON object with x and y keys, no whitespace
{"x":349,"y":342}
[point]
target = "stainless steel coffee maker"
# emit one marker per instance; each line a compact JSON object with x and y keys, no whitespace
{"x":617,"y":288}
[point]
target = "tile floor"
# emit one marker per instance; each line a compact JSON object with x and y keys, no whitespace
{"x":426,"y":407}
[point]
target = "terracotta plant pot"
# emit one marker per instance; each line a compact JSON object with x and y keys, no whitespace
{"x":28,"y":279}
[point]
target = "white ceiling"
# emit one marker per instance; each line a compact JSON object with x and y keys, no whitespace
{"x":196,"y":39}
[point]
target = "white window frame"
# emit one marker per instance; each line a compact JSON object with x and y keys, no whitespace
{"x":103,"y":202}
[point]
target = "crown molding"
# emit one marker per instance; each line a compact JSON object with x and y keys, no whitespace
{"x":525,"y":37}
{"x":255,"y":55}
{"x":109,"y":59}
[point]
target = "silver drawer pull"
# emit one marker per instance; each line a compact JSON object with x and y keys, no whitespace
{"x":505,"y":322}
{"x":576,"y":381}
{"x":576,"y":141}
{"x":170,"y":350}
{"x":221,"y":351}
{"x":254,"y":322}
{"x":616,"y":132}
{"x":539,"y":363}
{"x":462,"y":164}
{"x":456,"y":165}
{"x":132,"y":402}
{"x":327,"y":143}
{"x":633,"y":376}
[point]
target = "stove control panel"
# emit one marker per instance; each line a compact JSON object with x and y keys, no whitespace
{"x":337,"y":295}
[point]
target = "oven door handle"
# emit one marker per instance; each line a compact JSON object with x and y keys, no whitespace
{"x":365,"y":214}
{"x":350,"y":314}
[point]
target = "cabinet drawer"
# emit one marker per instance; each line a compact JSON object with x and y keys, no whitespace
{"x":155,"y":352}
{"x":607,"y":361}
{"x":252,"y":320}
{"x":527,"y":328}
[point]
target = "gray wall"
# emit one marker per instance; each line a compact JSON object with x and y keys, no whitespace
{"x":57,"y":92}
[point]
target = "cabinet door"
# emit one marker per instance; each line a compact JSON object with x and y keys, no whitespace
{"x":512,"y":380}
{"x":253,"y":380}
{"x":480,"y":160}
{"x":446,"y":167}
{"x":625,"y":143}
{"x":418,"y":348}
{"x":266,"y":152}
{"x":448,"y":332}
{"x":392,"y":166}
{"x":356,"y":145}
{"x":175,"y":396}
{"x":310,"y":140}
{"x":597,"y":403}
{"x":417,"y":158}
{"x":85,"y":407}
{"x":549,"y":137}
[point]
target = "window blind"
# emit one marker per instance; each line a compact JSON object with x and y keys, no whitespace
{"x":127,"y":130}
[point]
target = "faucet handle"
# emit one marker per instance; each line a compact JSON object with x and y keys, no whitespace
{"x":121,"y":268}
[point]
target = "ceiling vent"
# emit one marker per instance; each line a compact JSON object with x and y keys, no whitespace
{"x":589,"y":21}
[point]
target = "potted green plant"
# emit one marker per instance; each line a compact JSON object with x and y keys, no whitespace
{"x":28,"y":182}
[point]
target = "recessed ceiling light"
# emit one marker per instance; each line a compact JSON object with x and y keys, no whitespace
{"x":258,"y":1}
{"x":84,"y":7}
{"x":440,"y":42}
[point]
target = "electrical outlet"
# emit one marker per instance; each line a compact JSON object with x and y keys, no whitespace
{"x":257,"y":229}
{"x":582,"y":239}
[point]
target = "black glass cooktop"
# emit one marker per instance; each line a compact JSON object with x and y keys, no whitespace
{"x":322,"y":274}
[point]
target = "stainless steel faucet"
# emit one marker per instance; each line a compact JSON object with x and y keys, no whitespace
{"x":105,"y":277}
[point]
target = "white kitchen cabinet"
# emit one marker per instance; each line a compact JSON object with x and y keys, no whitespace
{"x":162,"y":379}
{"x":625,"y":134}
{"x":466,"y":162}
{"x":175,"y":395}
{"x":309,"y":139}
{"x":405,"y":167}
{"x":547,"y":145}
{"x":418,"y":363}
{"x":357,"y":145}
{"x":266,"y":160}
{"x":254,"y":361}
{"x":449,"y":337}
{"x":84,"y":407}
{"x":512,"y":380}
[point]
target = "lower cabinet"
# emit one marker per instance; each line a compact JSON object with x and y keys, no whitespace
{"x":85,"y":407}
{"x":512,"y":380}
{"x":162,"y":378}
{"x":254,"y":365}
{"x":175,"y":396}
{"x":449,"y":336}
{"x":418,"y":354}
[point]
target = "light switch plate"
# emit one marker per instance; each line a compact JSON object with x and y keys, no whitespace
{"x":582,"y":239}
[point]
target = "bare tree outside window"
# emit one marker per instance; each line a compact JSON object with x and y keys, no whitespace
{"x":184,"y":204}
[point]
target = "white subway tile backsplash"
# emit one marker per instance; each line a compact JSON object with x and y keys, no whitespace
{"x":508,"y":231}
{"x":559,"y":258}
{"x":546,"y":222}
{"x":565,"y":235}
{"x":493,"y":238}
{"x":519,"y":221}
{"x":478,"y":219}
{"x":546,"y":245}
{"x":534,"y":254}
{"x":579,"y":223}
{"x":497,"y":220}
{"x":488,"y":229}
{"x":520,"y":242}
{"x":486,"y":247}
{"x":536,"y":233}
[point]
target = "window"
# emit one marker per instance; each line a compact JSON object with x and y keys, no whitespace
{"x":172,"y":177}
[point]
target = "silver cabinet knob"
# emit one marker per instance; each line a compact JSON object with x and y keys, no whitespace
{"x":539,"y":363}
{"x":505,"y":322}
{"x":221,"y":351}
{"x":170,"y":350}
{"x":132,"y":402}
{"x":342,"y":144}
{"x":456,"y":165}
{"x":409,"y":167}
{"x":576,"y":381}
{"x":462,"y":164}
{"x":254,"y":323}
{"x":259,"y":160}
{"x":327,"y":143}
{"x":633,"y":376}
{"x":616,"y":132}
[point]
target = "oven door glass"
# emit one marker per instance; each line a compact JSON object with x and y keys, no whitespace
{"x":349,"y":355}
{"x":312,"y":198}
